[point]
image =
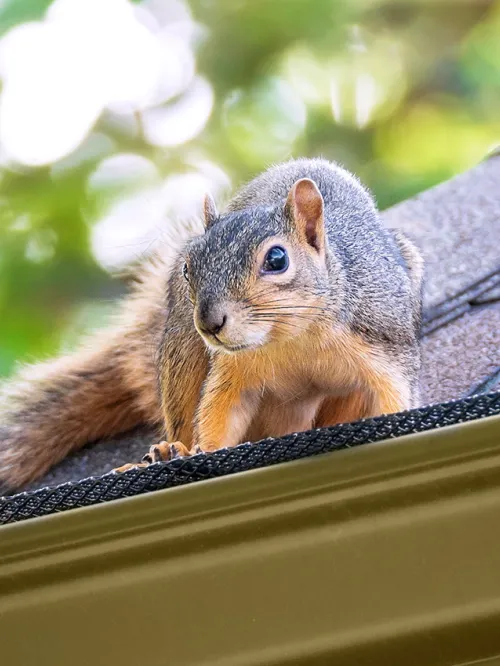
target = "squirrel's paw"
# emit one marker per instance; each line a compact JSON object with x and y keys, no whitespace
{"x":128,"y":466}
{"x":165,"y":451}
{"x":161,"y":452}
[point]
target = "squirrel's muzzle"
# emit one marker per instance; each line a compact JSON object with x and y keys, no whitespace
{"x":210,"y":318}
{"x":227,"y":325}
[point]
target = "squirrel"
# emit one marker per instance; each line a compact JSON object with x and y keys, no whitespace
{"x":293,"y":309}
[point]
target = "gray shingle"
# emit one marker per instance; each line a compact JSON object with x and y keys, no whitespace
{"x":457,"y":226}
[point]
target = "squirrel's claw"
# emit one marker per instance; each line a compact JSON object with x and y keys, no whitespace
{"x":166,"y":451}
{"x":162,"y":452}
{"x":125,"y":468}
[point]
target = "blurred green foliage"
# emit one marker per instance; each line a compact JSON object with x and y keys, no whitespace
{"x":405,"y":94}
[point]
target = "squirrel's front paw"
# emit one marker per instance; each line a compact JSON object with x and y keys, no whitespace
{"x":161,"y":452}
{"x":165,"y":451}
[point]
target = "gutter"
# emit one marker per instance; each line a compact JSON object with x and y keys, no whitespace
{"x":388,"y":553}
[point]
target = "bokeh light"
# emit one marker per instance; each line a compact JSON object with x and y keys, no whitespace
{"x":264,"y":122}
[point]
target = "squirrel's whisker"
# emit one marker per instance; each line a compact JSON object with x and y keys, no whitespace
{"x":289,"y":324}
{"x":291,"y":307}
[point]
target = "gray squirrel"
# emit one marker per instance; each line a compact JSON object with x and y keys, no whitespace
{"x":295,"y":308}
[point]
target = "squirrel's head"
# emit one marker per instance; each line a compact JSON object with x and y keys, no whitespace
{"x":259,"y":275}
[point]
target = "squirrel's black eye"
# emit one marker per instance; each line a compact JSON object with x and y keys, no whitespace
{"x":276,"y":260}
{"x":185,"y":272}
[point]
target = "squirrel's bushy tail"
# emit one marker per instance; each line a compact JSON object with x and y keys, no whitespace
{"x":55,"y":408}
{"x":51,"y":409}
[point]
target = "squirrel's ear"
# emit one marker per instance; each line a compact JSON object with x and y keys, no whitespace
{"x":305,"y":205}
{"x":210,"y":213}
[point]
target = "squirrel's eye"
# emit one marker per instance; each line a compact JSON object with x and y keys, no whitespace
{"x":276,"y":260}
{"x":185,"y":272}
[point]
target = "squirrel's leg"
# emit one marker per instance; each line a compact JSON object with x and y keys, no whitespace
{"x":391,"y":392}
{"x":183,"y":368}
{"x":223,"y":417}
{"x":55,"y":408}
{"x":385,"y":388}
{"x":384,"y":394}
{"x":226,"y":409}
{"x":357,"y":405}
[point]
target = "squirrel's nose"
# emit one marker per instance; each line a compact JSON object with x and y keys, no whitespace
{"x":211,"y":320}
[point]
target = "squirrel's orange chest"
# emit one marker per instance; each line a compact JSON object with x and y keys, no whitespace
{"x":318,"y":381}
{"x":290,"y":393}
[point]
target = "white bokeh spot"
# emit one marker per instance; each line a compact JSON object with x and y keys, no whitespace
{"x":86,"y":56}
{"x":181,"y":121}
{"x":161,"y":211}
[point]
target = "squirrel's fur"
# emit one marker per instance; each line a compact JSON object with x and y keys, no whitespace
{"x":334,"y":338}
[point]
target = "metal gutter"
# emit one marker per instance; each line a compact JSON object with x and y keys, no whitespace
{"x":388,"y":553}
